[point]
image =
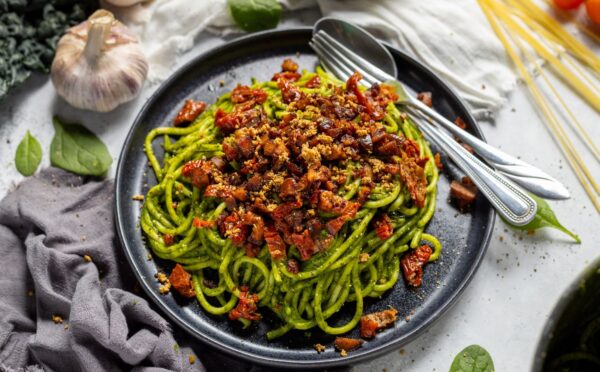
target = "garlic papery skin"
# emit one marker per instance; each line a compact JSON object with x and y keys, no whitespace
{"x":124,"y":3}
{"x":99,"y":64}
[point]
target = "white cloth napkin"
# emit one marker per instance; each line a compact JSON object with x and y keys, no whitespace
{"x":450,"y":37}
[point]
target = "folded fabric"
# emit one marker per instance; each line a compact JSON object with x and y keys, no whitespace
{"x":64,"y":305}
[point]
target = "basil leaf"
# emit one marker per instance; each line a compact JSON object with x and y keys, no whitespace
{"x":255,"y":15}
{"x":544,"y":217}
{"x":77,"y":150}
{"x":28,"y":155}
{"x":473,"y":358}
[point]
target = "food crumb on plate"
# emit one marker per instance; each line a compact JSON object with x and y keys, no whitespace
{"x":192,"y":358}
{"x":57,"y":319}
{"x":319,"y":348}
{"x":164,"y":280}
{"x":138,"y":197}
{"x":87,"y":258}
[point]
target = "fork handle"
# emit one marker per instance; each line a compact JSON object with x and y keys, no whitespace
{"x":528,"y":176}
{"x":509,"y":200}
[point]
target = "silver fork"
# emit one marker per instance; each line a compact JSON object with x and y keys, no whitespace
{"x":511,"y":202}
{"x":526,"y":175}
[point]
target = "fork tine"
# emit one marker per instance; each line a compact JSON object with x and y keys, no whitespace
{"x":373,"y":70}
{"x":338,"y":69}
{"x":335,"y":54}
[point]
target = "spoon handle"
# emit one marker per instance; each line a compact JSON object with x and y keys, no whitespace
{"x":511,"y":202}
{"x":528,"y":176}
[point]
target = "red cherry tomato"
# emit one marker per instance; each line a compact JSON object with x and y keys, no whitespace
{"x":593,"y":10}
{"x":567,"y":4}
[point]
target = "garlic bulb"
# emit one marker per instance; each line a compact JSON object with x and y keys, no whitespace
{"x":124,"y":3}
{"x":98,"y":64}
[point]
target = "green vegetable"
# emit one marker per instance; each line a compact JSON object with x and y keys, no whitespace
{"x":28,"y":155}
{"x":544,"y":217}
{"x":77,"y":150}
{"x":29,"y":31}
{"x":255,"y":15}
{"x":473,"y":358}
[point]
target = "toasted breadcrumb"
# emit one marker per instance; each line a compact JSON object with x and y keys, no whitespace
{"x":161,"y":277}
{"x":57,"y":319}
{"x":138,"y":197}
{"x":319,"y":348}
{"x":164,"y":280}
{"x":192,"y":358}
{"x":363,"y":257}
{"x":343,"y":353}
{"x":165,"y":288}
{"x":87,"y":258}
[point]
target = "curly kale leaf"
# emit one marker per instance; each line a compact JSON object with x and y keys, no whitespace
{"x":29,"y":32}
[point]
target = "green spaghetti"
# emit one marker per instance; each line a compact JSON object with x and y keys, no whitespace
{"x":299,"y":195}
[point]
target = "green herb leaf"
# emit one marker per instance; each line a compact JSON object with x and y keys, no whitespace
{"x":28,"y":155}
{"x":473,"y":358}
{"x":544,"y":217}
{"x":255,"y":15}
{"x":77,"y":150}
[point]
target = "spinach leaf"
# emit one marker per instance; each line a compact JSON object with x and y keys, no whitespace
{"x":544,"y":217}
{"x":77,"y":150}
{"x":28,"y":155}
{"x":255,"y":15}
{"x":473,"y":358}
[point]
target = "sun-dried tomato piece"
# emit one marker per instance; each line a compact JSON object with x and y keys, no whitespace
{"x":370,"y":324}
{"x":289,"y":65}
{"x":383,"y":227}
{"x":232,"y":226}
{"x":460,"y":123}
{"x":313,"y":82}
{"x":412,"y":264}
{"x":411,"y":148}
{"x":202,"y":224}
{"x":243,"y":93}
{"x":305,"y":244}
{"x":413,"y":175}
{"x":426,"y":98}
{"x":438,"y":161}
{"x":464,"y":192}
{"x":168,"y":239}
{"x":246,"y":307}
{"x":349,"y":211}
{"x":275,"y":243}
{"x":189,"y":112}
{"x":198,"y":171}
{"x":258,"y":227}
{"x":347,"y":344}
{"x":288,"y":188}
{"x":181,"y":280}
{"x":286,"y":75}
{"x":289,"y":92}
{"x":293,"y":266}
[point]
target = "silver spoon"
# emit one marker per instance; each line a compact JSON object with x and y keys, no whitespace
{"x":377,"y":60}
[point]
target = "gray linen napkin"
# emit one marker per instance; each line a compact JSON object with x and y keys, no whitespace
{"x":48,"y":226}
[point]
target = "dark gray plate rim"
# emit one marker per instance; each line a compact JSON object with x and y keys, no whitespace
{"x":352,"y":358}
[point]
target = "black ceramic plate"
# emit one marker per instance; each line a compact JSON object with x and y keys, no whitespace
{"x":464,"y":236}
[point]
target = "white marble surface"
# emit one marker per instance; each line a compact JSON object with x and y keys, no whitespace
{"x":521,"y":278}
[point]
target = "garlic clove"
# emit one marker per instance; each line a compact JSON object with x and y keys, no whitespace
{"x":98,"y":64}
